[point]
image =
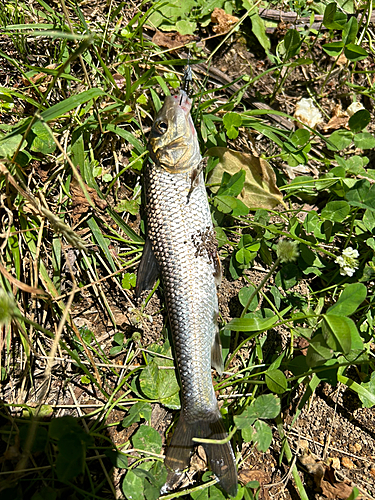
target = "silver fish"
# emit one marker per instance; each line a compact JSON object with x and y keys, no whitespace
{"x":181,"y":245}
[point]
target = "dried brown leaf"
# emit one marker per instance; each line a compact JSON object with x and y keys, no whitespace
{"x":120,"y":80}
{"x":260,"y":189}
{"x":172,"y":40}
{"x":325,"y":480}
{"x":247,"y":475}
{"x":80,"y":204}
{"x":41,"y":77}
{"x":224,"y":21}
{"x":338,"y":120}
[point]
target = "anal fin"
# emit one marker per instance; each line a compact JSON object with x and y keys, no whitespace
{"x":148,"y":270}
{"x":216,"y":353}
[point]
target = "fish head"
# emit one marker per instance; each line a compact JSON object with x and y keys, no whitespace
{"x":173,"y":142}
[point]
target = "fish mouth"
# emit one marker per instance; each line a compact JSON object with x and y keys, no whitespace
{"x":183,"y":101}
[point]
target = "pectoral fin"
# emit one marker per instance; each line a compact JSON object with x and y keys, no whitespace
{"x":148,"y":270}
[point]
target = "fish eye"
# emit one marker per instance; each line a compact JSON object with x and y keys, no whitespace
{"x":161,"y":127}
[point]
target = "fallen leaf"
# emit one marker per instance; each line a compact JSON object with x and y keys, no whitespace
{"x":347,"y":463}
{"x":80,"y":204}
{"x":260,"y":190}
{"x":339,"y":119}
{"x":120,"y":80}
{"x":172,"y":39}
{"x":342,"y":60}
{"x":247,"y":475}
{"x":39,"y":77}
{"x":336,"y":123}
{"x":325,"y":481}
{"x":224,"y":21}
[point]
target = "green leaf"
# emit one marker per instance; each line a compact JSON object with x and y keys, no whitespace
{"x":359,"y":120}
{"x":114,"y":351}
{"x":158,"y":477}
{"x":234,"y":186}
{"x":359,"y":389}
{"x":70,"y":103}
{"x":70,"y":461}
{"x":9,"y":145}
{"x":370,"y":387}
{"x":364,"y":140}
{"x":185,"y":27}
{"x":130,"y":206}
{"x":337,"y":332}
{"x":350,"y":299}
{"x":160,"y":384}
{"x":276,"y":381}
{"x":354,"y":494}
{"x":339,"y":140}
{"x":244,"y":295}
{"x":292,"y":43}
{"x":118,"y":459}
{"x":300,"y":137}
{"x":350,"y":31}
{"x":362,"y":195}
{"x":332,"y":19}
{"x":318,"y":351}
{"x":355,"y":53}
{"x":251,"y":324}
{"x":43,"y":141}
{"x":265,"y":407}
{"x":243,"y":256}
{"x":231,"y":123}
{"x":229,"y":204}
{"x":262,"y":435}
{"x":259,"y":30}
{"x":59,"y":427}
{"x":129,"y":281}
{"x":132,"y":486}
{"x":147,"y":439}
{"x":221,"y":236}
{"x":333,"y":49}
{"x":137,"y":412}
{"x":336,"y":211}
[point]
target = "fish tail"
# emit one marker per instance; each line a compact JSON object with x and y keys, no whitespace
{"x":220,"y":456}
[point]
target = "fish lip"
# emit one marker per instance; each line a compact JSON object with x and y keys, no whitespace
{"x":183,"y":101}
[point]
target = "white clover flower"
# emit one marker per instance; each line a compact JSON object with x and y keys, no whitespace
{"x":287,"y":250}
{"x":348,"y":261}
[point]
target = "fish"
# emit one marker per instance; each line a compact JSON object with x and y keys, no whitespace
{"x":181,"y":246}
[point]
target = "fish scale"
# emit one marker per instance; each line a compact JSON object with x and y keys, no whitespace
{"x":181,"y":245}
{"x":188,"y":280}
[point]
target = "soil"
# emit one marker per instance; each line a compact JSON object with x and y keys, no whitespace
{"x":332,"y":428}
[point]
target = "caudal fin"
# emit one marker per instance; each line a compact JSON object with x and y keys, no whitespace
{"x":220,"y":456}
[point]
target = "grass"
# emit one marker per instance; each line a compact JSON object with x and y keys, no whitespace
{"x":84,"y":367}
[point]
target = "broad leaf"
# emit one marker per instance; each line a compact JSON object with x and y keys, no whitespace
{"x":350,"y":299}
{"x":266,"y":407}
{"x":147,"y":439}
{"x":276,"y":381}
{"x":260,"y":189}
{"x":337,"y":332}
